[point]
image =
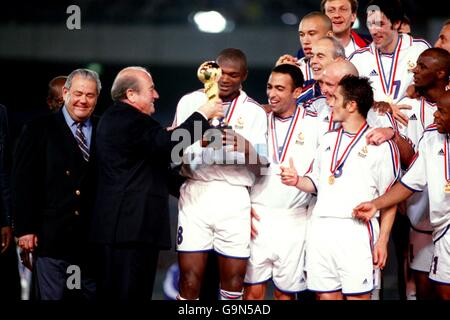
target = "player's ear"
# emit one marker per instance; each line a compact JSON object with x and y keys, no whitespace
{"x":352,"y":106}
{"x":396,"y":25}
{"x":297,"y":92}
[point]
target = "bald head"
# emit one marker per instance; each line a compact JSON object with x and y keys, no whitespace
{"x":312,"y":27}
{"x":127,"y":78}
{"x":134,"y":86}
{"x":333,"y":73}
{"x":341,"y":68}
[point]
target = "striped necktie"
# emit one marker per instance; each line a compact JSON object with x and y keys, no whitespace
{"x":81,"y":140}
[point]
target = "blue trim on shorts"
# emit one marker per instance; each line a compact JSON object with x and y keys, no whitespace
{"x":286,"y":291}
{"x":224,"y":255}
{"x":439,"y":282}
{"x":357,"y":293}
{"x":318,"y":291}
{"x":193,"y":251}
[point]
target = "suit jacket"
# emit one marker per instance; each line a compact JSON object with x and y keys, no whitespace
{"x":53,"y":187}
{"x":5,"y":170}
{"x":133,"y":153}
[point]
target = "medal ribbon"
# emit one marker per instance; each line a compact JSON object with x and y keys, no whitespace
{"x":422,"y":111}
{"x":387,"y":85}
{"x":335,"y":164}
{"x":308,"y":72}
{"x":447,"y":160}
{"x":230,"y":111}
{"x":280,"y":153}
{"x":331,"y":124}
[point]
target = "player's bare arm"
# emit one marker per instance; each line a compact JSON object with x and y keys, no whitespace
{"x":366,"y":210}
{"x":290,"y":177}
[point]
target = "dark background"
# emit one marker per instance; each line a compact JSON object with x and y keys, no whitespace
{"x":36,"y":46}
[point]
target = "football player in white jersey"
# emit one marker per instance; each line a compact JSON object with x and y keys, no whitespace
{"x":430,"y":80}
{"x":341,"y":251}
{"x":214,"y":203}
{"x":319,"y":107}
{"x":277,"y":252}
{"x":342,"y":14}
{"x":314,"y":26}
{"x":430,"y":169}
{"x":389,"y":59}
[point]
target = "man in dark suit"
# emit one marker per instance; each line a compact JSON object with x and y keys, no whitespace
{"x":9,"y":273}
{"x":131,"y":215}
{"x":53,"y":189}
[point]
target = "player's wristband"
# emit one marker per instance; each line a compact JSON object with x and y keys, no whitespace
{"x":296,"y":181}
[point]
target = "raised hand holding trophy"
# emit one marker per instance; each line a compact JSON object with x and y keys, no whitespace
{"x":209,"y":74}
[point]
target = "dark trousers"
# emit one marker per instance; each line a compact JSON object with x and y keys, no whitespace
{"x":9,"y":275}
{"x":126,"y":271}
{"x":55,"y":279}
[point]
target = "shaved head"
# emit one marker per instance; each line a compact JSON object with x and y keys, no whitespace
{"x":333,"y":73}
{"x":341,"y":68}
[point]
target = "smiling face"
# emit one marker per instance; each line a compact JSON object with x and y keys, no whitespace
{"x":383,"y":32}
{"x":322,"y":55}
{"x":281,"y":94}
{"x":329,"y":83}
{"x":81,"y":98}
{"x":444,"y":38}
{"x":233,"y":74}
{"x":144,"y":98}
{"x":340,"y":14}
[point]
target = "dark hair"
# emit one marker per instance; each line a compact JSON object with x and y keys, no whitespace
{"x":392,"y":9}
{"x":357,"y":89}
{"x":293,"y":71}
{"x":443,"y":57}
{"x":234,"y":55}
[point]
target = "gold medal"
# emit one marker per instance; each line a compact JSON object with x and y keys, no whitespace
{"x":389,"y":99}
{"x":447,"y":187}
{"x":331,"y":179}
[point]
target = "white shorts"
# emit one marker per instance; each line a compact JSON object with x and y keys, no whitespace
{"x":339,"y":255}
{"x":440,"y":265}
{"x":277,"y":252}
{"x":214,"y":215}
{"x":420,"y":253}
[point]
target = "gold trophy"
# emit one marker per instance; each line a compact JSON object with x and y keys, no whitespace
{"x":209,"y":74}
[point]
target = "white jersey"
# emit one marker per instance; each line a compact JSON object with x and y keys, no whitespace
{"x":305,"y":67}
{"x":420,"y":117}
{"x":390,"y":74}
{"x":431,"y":168}
{"x":319,"y":108}
{"x":346,"y":171}
{"x":351,"y":47}
{"x":294,"y":137}
{"x":246,"y":117}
